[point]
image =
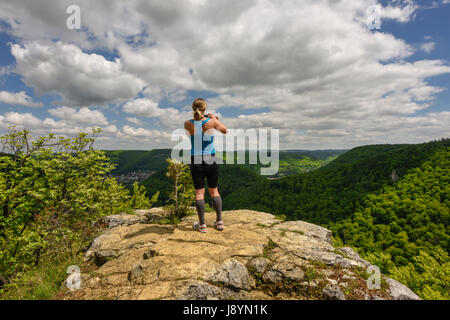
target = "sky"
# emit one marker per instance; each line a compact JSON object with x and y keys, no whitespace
{"x":322,"y":72}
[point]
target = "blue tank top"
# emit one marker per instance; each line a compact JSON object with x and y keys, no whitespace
{"x":201,"y":143}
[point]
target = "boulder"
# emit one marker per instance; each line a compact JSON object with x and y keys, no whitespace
{"x":153,"y":215}
{"x":233,"y":274}
{"x":333,"y":292}
{"x":352,"y":254}
{"x":259,"y":264}
{"x":399,"y":291}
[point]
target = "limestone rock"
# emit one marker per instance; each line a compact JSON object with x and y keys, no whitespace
{"x":352,"y":254}
{"x":256,"y":256}
{"x":307,"y":229}
{"x":259,"y":264}
{"x":153,"y":215}
{"x":233,"y":273}
{"x":399,"y":291}
{"x":287,"y":267}
{"x":124,"y":220}
{"x":198,"y":290}
{"x":333,"y":292}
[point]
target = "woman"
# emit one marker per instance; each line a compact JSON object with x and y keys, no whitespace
{"x":203,"y":161}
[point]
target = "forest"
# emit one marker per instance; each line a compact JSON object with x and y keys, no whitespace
{"x":396,"y":224}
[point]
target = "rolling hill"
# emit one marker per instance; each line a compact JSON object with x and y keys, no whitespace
{"x":401,"y":225}
{"x":389,"y":202}
{"x":291,"y":161}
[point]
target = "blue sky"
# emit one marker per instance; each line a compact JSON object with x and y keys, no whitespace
{"x":432,"y":21}
{"x":310,"y":69}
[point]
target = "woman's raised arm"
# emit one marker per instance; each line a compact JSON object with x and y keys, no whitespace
{"x":218,"y":125}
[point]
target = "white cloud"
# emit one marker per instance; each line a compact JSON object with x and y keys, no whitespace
{"x":19,"y":99}
{"x":139,"y":135}
{"x":139,"y":132}
{"x":111,"y":129}
{"x":40,"y":127}
{"x":80,"y":78}
{"x":83,"y":115}
{"x":313,"y":64}
{"x":135,"y":121}
{"x":400,"y":10}
{"x":20,"y":120}
{"x":428,"y":46}
{"x":143,"y":107}
{"x":167,"y":118}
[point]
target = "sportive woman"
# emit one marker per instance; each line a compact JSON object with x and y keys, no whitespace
{"x":203,"y":161}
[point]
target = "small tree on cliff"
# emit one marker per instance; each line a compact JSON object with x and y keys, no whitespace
{"x":139,"y":200}
{"x":182,"y":195}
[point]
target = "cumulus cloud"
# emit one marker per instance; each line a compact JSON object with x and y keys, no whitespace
{"x":18,"y":99}
{"x":167,"y":118}
{"x":141,"y":132}
{"x":144,"y":137}
{"x":20,"y":120}
{"x":144,"y":107}
{"x":326,"y":79}
{"x":400,"y":10}
{"x":135,"y":121}
{"x":80,"y":78}
{"x":428,"y":46}
{"x":83,"y":115}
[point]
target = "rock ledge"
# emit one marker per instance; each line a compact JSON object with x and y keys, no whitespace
{"x":255,"y":257}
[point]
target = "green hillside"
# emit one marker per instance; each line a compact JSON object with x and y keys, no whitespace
{"x":234,"y":177}
{"x":296,"y":161}
{"x":291,"y":162}
{"x":134,"y":160}
{"x":396,"y":225}
{"x":364,"y":152}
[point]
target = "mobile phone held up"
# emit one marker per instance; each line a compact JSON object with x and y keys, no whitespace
{"x":207,"y":116}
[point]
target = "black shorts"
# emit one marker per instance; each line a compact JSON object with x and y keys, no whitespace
{"x":204,"y":170}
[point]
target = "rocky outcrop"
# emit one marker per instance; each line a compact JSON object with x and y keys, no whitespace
{"x":153,"y":215}
{"x":399,"y":292}
{"x":255,"y":257}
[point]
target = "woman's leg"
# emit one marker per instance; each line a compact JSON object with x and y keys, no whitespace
{"x":217,"y":202}
{"x":199,"y":194}
{"x":213,"y":192}
{"x":200,"y":204}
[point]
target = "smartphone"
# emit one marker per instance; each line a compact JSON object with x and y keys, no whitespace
{"x":207,"y":116}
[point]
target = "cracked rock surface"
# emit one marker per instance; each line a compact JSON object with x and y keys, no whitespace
{"x":256,"y":256}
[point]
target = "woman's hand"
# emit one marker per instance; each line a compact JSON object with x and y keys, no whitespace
{"x":213,"y":117}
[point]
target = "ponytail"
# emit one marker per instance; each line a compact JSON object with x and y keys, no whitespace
{"x":197,"y":115}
